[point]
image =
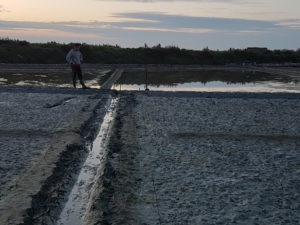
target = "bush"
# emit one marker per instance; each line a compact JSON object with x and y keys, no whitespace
{"x":16,"y":51}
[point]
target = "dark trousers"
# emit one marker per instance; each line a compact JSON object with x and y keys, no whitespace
{"x":77,"y":72}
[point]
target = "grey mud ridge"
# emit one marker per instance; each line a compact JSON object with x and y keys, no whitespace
{"x":44,"y":139}
{"x":173,"y":158}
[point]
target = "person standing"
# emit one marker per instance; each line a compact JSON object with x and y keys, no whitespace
{"x":74,"y":58}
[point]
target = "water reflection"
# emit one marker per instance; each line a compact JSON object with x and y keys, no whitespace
{"x":92,"y":79}
{"x":208,"y":81}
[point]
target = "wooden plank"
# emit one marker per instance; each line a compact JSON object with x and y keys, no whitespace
{"x":113,"y":78}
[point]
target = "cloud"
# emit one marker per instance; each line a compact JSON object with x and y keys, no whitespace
{"x":190,"y":22}
{"x":209,"y":1}
{"x":43,"y":33}
{"x":2,"y":9}
{"x":293,"y":24}
{"x":135,"y":29}
{"x":149,"y":22}
{"x":158,"y":22}
{"x":175,"y":30}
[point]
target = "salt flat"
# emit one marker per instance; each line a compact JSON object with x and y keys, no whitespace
{"x":42,"y":138}
{"x":196,"y":158}
{"x":173,"y":157}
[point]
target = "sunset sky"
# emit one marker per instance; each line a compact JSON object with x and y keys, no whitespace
{"x":193,"y":24}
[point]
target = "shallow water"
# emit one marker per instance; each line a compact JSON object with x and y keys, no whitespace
{"x":199,"y":81}
{"x":92,"y":79}
{"x":223,"y":81}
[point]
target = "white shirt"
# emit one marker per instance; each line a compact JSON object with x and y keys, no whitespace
{"x":74,"y":57}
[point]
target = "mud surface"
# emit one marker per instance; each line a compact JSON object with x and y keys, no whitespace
{"x":173,"y":158}
{"x":203,"y":159}
{"x":43,"y":134}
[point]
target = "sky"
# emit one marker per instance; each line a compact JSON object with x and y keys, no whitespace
{"x":191,"y":24}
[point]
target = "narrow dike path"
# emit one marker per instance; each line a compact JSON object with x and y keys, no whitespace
{"x":81,"y":195}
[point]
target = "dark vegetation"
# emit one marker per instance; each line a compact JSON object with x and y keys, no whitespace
{"x":16,"y":51}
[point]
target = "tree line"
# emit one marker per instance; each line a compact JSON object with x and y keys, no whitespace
{"x":18,"y":51}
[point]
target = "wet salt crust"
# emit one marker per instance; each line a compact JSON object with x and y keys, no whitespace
{"x":28,"y":122}
{"x":36,"y":127}
{"x":211,"y":161}
{"x":210,"y":165}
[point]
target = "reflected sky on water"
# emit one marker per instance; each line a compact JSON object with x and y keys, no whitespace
{"x":92,"y":79}
{"x":210,"y":80}
{"x":228,"y":81}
